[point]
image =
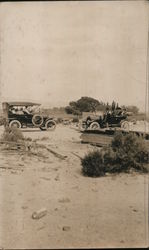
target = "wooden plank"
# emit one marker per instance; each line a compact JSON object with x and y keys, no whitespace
{"x":96,"y":139}
{"x":100,"y":139}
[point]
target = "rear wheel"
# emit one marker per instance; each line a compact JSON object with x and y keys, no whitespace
{"x":15,"y":124}
{"x":50,"y":125}
{"x":94,"y":126}
{"x":125,"y":125}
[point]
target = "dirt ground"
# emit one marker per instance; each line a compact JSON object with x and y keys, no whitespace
{"x":82,"y":212}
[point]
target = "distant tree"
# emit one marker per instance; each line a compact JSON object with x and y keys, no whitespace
{"x":107,"y":106}
{"x":72,"y":110}
{"x":131,"y":108}
{"x":101,"y":107}
{"x":113,"y":107}
{"x":117,"y":106}
{"x":62,"y":109}
{"x":89,"y":104}
{"x":84,"y":104}
{"x":55,"y":109}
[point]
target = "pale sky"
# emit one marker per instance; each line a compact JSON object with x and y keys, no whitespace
{"x":56,"y":52}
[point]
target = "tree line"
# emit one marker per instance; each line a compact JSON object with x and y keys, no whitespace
{"x":89,"y":104}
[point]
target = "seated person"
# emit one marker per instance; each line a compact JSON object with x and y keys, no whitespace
{"x":26,"y":111}
{"x":118,"y":111}
{"x":20,"y":111}
{"x":12,"y":110}
{"x":88,"y":119}
{"x":100,"y":119}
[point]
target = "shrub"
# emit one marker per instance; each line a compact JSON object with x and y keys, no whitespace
{"x":130,"y":152}
{"x":126,"y":152}
{"x":93,"y":165}
{"x":12,"y":134}
{"x":2,"y":121}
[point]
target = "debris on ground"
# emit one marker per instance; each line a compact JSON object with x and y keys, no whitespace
{"x":30,"y":148}
{"x":45,"y":178}
{"x":39,"y":214}
{"x":62,"y":157}
{"x":77,"y":155}
{"x":24,"y":207}
{"x":63,"y":200}
{"x":57,"y":178}
{"x":40,"y":228}
{"x":66,"y":228}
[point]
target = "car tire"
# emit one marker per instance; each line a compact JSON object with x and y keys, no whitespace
{"x":37,"y":120}
{"x":125,"y":125}
{"x":94,"y":126}
{"x":15,"y":123}
{"x":50,"y":125}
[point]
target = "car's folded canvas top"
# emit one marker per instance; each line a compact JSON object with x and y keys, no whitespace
{"x":22,"y":103}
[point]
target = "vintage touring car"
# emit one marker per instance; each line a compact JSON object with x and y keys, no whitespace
{"x":26,"y":114}
{"x":117,"y":118}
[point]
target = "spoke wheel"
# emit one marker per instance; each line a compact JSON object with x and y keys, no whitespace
{"x":50,"y":125}
{"x":15,"y":124}
{"x":125,"y":125}
{"x":94,"y":126}
{"x":37,"y":120}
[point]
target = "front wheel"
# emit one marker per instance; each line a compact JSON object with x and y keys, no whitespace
{"x":37,"y":120}
{"x":50,"y":125}
{"x":94,"y":126}
{"x":125,"y":125}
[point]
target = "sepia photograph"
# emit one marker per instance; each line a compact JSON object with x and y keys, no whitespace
{"x":74,"y":124}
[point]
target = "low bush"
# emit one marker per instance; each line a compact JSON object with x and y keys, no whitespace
{"x":2,"y":121}
{"x":93,"y":164}
{"x":130,"y":152}
{"x":12,"y":134}
{"x":126,"y":152}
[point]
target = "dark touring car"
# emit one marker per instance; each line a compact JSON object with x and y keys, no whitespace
{"x":116,"y":118}
{"x":26,"y":114}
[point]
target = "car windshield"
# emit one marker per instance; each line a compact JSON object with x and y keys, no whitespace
{"x":35,"y":108}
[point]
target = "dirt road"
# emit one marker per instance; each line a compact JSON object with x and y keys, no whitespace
{"x":81,"y":212}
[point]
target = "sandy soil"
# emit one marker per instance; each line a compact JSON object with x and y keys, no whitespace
{"x":81,"y":212}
